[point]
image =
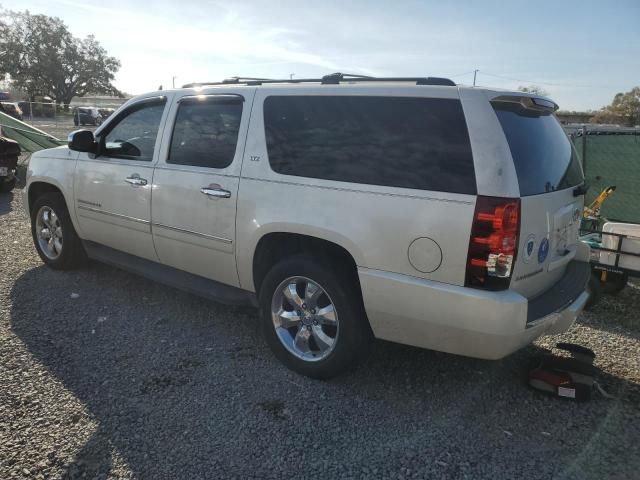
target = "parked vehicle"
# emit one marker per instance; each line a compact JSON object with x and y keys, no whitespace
{"x":106,"y":112}
{"x":9,"y":153}
{"x":11,"y":108}
{"x":86,"y":116}
{"x":346,"y":208}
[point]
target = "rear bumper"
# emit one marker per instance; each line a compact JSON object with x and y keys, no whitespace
{"x":465,"y":321}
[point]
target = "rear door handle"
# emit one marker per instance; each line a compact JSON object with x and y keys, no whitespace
{"x":135,"y":179}
{"x":216,"y":191}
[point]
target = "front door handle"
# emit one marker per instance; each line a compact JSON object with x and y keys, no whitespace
{"x":135,"y":179}
{"x":216,"y":191}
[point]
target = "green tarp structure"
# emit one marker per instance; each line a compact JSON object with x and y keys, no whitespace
{"x":30,"y":138}
{"x":613,"y":158}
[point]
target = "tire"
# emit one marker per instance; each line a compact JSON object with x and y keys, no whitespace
{"x":67,"y":254}
{"x":6,"y":185}
{"x":350,"y":332}
{"x":595,"y":290}
{"x":615,"y":283}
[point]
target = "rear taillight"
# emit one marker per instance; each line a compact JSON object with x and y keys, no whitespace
{"x":494,"y":243}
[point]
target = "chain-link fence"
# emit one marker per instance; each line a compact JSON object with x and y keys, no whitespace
{"x":59,"y":120}
{"x":49,"y":110}
{"x":612,"y":157}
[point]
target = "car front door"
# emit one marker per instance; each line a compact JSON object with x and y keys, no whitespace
{"x":113,"y":187}
{"x":195,"y":187}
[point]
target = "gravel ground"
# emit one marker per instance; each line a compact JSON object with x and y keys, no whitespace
{"x":107,"y":375}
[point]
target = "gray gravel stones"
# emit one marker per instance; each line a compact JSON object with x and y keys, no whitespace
{"x":131,"y":379}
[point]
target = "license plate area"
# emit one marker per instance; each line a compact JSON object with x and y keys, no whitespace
{"x":566,"y":226}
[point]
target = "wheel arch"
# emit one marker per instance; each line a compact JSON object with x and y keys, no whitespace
{"x":275,"y":245}
{"x":39,"y":186}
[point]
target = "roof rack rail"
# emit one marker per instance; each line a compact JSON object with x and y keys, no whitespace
{"x":331,"y":79}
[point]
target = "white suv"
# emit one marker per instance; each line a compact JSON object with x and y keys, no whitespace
{"x":346,"y":208}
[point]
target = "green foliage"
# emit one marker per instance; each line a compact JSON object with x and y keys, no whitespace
{"x":42,"y":57}
{"x":624,"y":110}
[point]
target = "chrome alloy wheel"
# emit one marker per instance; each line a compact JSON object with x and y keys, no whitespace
{"x":49,"y":232}
{"x":305,"y":318}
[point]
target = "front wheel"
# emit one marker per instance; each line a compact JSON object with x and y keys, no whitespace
{"x":55,"y":239}
{"x":313,"y":318}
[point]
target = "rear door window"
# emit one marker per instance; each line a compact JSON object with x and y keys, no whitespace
{"x":544,"y":158}
{"x":419,"y":143}
{"x":205,"y":133}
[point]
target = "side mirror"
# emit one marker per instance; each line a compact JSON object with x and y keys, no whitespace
{"x":82,"y":141}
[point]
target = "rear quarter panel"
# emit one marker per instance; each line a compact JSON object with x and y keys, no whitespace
{"x":376,"y":224}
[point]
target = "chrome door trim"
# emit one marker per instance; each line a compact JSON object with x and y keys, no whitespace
{"x":215,"y":191}
{"x":116,"y":215}
{"x":136,"y":180}
{"x":212,"y":96}
{"x":174,"y":167}
{"x":191,"y":232}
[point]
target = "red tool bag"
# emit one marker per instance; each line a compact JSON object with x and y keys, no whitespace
{"x":568,"y":377}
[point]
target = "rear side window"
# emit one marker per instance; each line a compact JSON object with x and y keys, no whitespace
{"x":205,"y":132}
{"x":544,"y":158}
{"x":419,"y":143}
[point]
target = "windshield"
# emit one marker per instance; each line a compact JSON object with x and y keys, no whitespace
{"x":544,"y":158}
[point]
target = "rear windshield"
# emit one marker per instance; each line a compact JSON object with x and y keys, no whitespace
{"x":544,"y":158}
{"x":419,"y":143}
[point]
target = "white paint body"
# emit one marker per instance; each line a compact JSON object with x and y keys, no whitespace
{"x":412,"y":295}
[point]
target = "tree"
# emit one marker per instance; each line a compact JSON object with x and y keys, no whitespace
{"x":42,"y":57}
{"x":624,"y":110}
{"x":534,"y":89}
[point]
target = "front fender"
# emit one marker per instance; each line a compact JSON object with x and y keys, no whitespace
{"x":55,"y":167}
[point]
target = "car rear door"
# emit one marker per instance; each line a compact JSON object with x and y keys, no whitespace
{"x":549,"y":178}
{"x":196,"y":183}
{"x":113,"y":188}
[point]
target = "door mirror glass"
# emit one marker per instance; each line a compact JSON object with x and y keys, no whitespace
{"x":82,"y":141}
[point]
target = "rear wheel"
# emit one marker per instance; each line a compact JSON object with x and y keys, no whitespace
{"x":312,"y":317}
{"x":54,"y":237}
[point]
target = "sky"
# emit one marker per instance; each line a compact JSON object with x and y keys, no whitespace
{"x":580,"y":52}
